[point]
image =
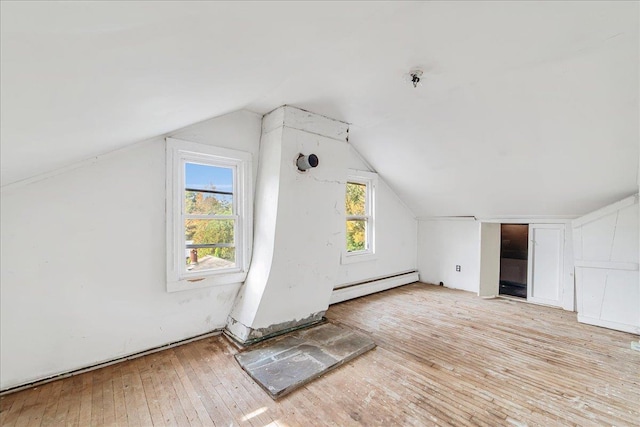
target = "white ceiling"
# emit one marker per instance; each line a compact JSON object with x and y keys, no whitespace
{"x":527,"y":108}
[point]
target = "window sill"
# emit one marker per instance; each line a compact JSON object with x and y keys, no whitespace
{"x":205,"y":281}
{"x":354,"y":257}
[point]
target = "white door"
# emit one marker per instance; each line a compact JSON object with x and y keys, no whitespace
{"x":546,"y":250}
{"x":489,"y":259}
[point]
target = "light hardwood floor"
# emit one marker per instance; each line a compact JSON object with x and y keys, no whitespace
{"x":444,"y":357}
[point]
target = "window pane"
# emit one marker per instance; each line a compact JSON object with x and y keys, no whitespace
{"x":209,"y":231}
{"x":198,"y":202}
{"x":208,"y":189}
{"x":356,"y":235}
{"x":207,"y":177}
{"x":210,"y":259}
{"x":356,"y":198}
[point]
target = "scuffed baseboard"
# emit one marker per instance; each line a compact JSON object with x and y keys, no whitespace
{"x":103,"y":364}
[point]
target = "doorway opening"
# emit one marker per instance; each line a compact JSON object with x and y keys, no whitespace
{"x":514,"y":255}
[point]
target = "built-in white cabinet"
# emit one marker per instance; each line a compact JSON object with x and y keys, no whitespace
{"x":545,"y":271}
{"x":606,"y":266}
{"x":546,"y":260}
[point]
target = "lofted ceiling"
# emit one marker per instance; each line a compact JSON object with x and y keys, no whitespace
{"x":526,"y":108}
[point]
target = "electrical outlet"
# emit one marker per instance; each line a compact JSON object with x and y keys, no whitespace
{"x":457,"y":268}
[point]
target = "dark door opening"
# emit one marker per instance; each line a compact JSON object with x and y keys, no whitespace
{"x":514,"y":254}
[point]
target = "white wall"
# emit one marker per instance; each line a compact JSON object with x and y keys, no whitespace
{"x":445,"y":243}
{"x":83,"y":260}
{"x":396,"y":235}
{"x":606,"y":260}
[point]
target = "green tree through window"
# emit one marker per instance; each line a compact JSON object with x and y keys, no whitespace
{"x":355,"y":207}
{"x":210,"y":219}
{"x":205,"y":231}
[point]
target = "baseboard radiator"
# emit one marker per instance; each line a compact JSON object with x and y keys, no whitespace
{"x":360,"y":289}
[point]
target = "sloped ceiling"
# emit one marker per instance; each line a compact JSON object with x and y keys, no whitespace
{"x":527,"y":108}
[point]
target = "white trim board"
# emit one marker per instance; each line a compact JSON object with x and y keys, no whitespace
{"x":447,"y":218}
{"x":607,"y":265}
{"x":296,"y":118}
{"x":563,"y":219}
{"x":609,"y":324}
{"x":508,"y":219}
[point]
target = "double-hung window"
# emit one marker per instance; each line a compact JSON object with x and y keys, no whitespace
{"x":208,"y":215}
{"x":360,"y":216}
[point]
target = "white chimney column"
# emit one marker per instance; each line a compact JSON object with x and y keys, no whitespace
{"x":299,"y":225}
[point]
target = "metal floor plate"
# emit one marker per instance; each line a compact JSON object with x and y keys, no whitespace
{"x":282,"y":364}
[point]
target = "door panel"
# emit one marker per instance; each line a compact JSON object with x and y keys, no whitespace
{"x":489,"y":259}
{"x":546,"y":249}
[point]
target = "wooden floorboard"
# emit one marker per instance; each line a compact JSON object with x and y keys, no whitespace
{"x":444,"y":357}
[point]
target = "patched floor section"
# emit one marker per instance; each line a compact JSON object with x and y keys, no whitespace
{"x":282,"y":364}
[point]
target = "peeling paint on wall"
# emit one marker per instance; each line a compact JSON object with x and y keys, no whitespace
{"x":252,"y":336}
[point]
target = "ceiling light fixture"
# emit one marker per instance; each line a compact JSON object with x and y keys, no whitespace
{"x":415,"y":77}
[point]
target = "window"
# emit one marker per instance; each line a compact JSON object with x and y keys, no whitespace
{"x":208,"y":215}
{"x":360,"y":213}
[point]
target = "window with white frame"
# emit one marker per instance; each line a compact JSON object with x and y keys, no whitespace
{"x":208,"y":215}
{"x":360,"y":216}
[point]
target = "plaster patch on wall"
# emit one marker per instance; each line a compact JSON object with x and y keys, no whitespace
{"x":328,"y":181}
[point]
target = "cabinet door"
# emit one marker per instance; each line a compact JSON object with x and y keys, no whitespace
{"x":489,"y":260}
{"x":546,"y":251}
